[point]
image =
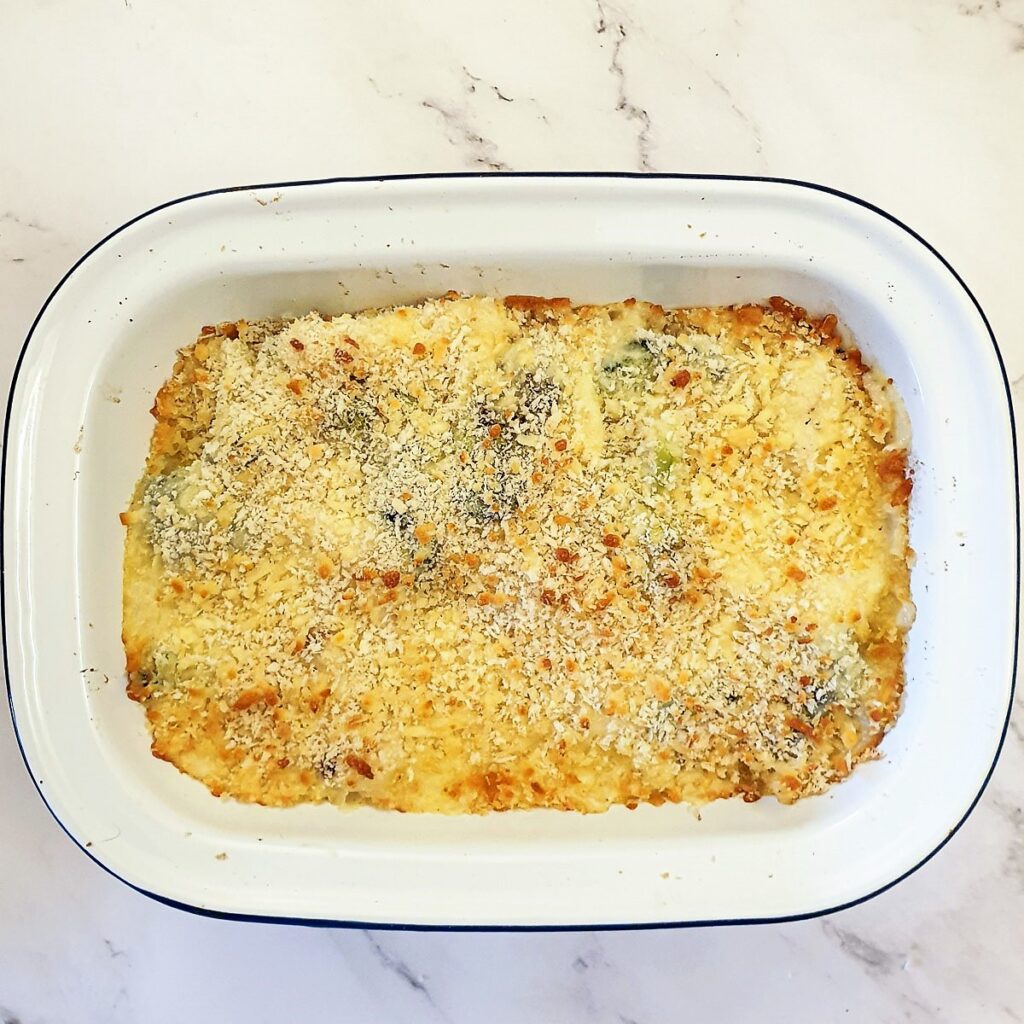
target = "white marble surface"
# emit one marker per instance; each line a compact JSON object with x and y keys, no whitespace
{"x":108,"y":107}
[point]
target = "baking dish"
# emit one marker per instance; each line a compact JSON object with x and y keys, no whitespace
{"x":76,"y":433}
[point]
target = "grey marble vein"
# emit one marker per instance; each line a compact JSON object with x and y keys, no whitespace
{"x":633,"y":113}
{"x":30,"y":225}
{"x":1013,"y":814}
{"x":926,"y":1012}
{"x":999,"y":11}
{"x":381,"y":92}
{"x":457,"y":117}
{"x":480,"y":150}
{"x":471,"y":82}
{"x":1016,"y":729}
{"x":1015,"y":725}
{"x":400,"y":969}
{"x":755,"y":131}
{"x":875,"y":959}
{"x":1017,"y":392}
{"x":584,"y":993}
{"x":474,"y":81}
{"x":591,"y":966}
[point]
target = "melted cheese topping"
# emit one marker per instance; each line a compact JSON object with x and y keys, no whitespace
{"x":479,"y":554}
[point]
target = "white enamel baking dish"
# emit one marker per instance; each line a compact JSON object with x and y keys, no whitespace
{"x":78,"y":426}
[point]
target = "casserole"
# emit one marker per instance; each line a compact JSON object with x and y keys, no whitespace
{"x":490,"y":554}
{"x":78,"y":425}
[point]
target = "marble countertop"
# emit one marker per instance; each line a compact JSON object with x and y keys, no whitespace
{"x":112,"y":106}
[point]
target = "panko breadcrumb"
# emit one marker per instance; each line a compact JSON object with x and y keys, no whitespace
{"x":484,"y":553}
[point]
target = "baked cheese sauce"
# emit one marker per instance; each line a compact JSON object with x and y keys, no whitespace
{"x":482,"y":554}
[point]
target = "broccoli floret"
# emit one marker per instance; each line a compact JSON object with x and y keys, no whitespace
{"x":633,"y":364}
{"x":664,"y":460}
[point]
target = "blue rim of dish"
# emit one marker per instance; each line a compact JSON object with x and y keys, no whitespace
{"x":608,"y":175}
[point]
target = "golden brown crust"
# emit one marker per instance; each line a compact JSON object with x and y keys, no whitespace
{"x":478,"y":555}
{"x":537,"y":304}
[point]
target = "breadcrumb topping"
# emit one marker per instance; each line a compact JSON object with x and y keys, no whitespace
{"x":484,"y":554}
